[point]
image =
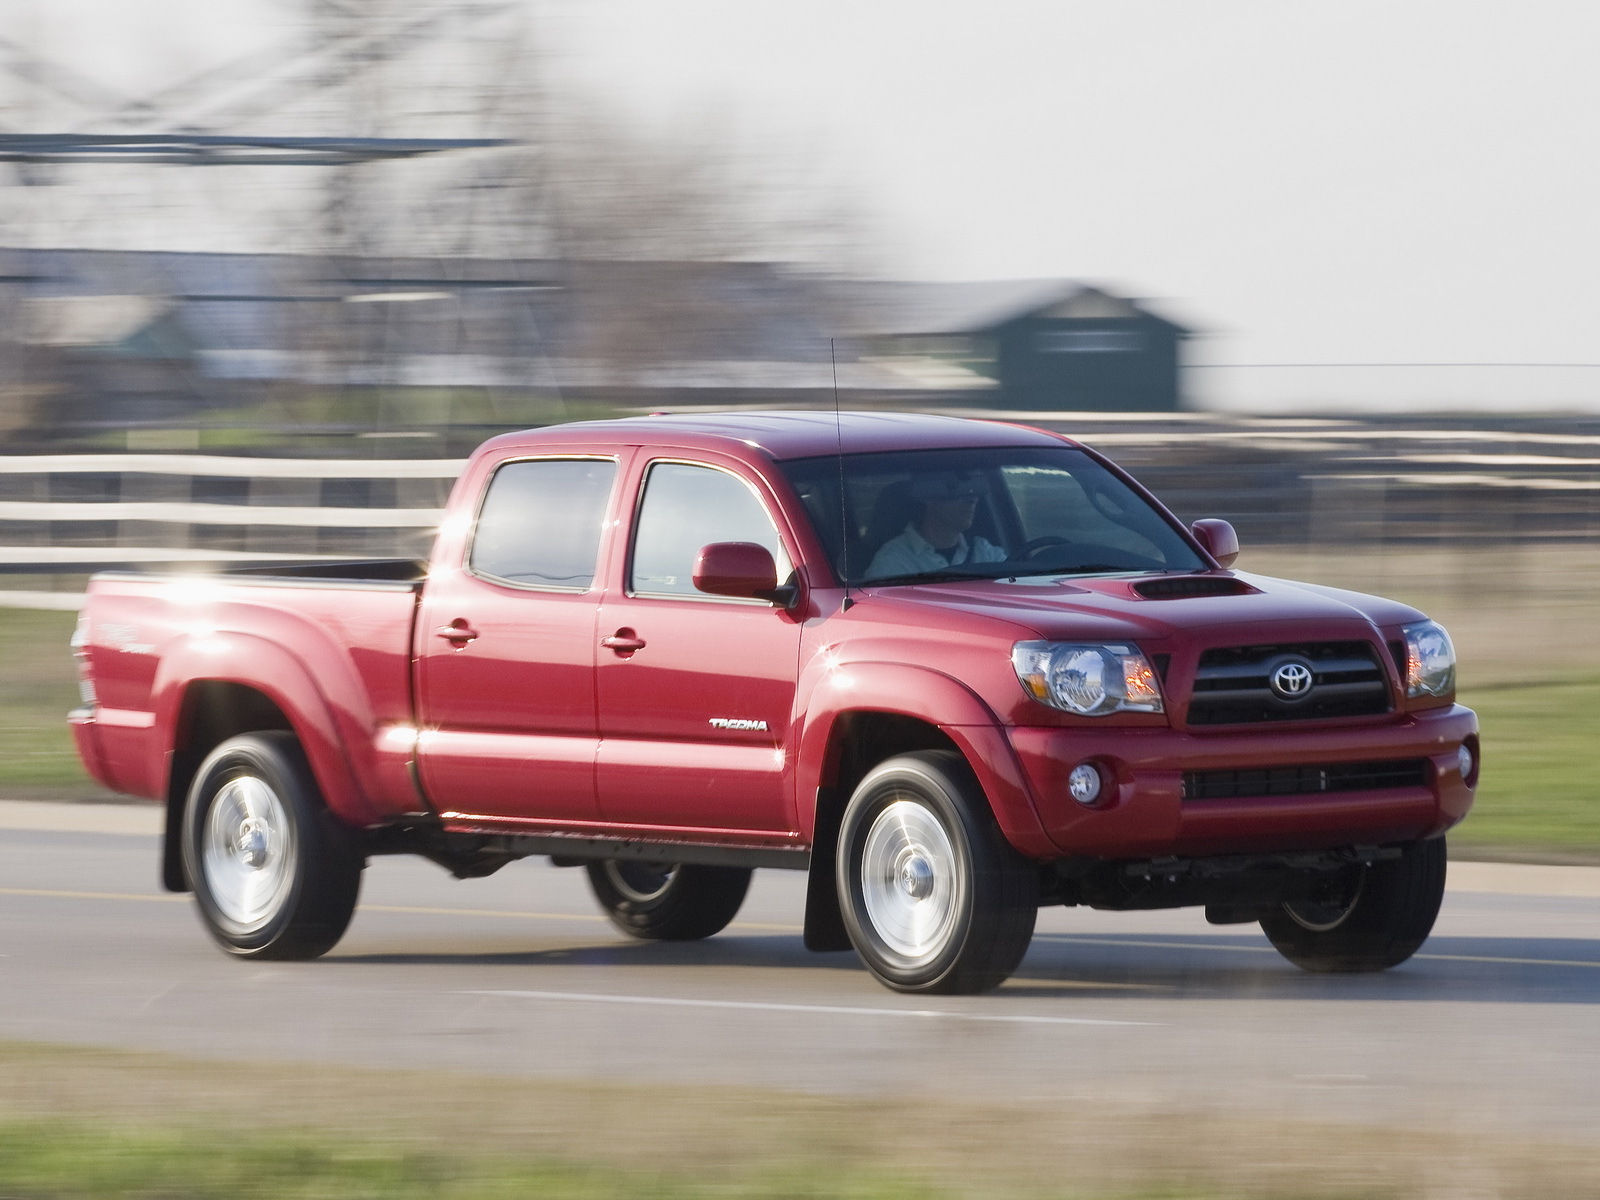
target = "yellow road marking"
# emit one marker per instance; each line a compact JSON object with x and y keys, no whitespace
{"x":1087,"y":985}
{"x":1100,"y":941}
{"x":509,"y":914}
{"x":1514,"y":962}
{"x":52,"y":894}
{"x":537,"y":916}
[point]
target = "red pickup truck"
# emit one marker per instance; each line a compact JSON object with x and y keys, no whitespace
{"x":954,"y":670}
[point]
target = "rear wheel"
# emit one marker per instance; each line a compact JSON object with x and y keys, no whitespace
{"x":1370,"y":919}
{"x":275,"y":875}
{"x":933,"y":897}
{"x":669,"y":902}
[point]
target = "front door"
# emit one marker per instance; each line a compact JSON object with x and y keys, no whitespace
{"x":506,"y":646}
{"x":696,"y":692}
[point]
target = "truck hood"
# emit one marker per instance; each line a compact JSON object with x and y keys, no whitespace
{"x":1156,"y":606}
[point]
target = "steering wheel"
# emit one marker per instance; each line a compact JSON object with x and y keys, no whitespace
{"x":1032,"y":546}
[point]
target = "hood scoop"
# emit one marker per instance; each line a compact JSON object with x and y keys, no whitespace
{"x":1178,"y":587}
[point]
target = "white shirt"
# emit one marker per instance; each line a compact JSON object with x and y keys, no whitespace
{"x":909,"y":553}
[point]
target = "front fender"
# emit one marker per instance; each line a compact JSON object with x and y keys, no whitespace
{"x":255,"y":662}
{"x":926,"y":695}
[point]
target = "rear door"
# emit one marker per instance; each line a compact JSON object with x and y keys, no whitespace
{"x":696,"y":692}
{"x":506,"y":646}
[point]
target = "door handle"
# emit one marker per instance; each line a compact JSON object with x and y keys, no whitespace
{"x":458,"y":633}
{"x":623,"y":641}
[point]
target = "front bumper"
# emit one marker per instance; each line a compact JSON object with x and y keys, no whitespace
{"x":1144,"y":812}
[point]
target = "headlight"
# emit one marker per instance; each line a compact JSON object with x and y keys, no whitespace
{"x":1430,"y":660}
{"x":1091,"y":681}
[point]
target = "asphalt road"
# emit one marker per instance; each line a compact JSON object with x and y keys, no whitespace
{"x":1496,"y":1024}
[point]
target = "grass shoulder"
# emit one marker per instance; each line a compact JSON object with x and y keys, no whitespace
{"x":1539,"y":794}
{"x":81,"y":1123}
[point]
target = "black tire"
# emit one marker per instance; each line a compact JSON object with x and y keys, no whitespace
{"x":668,"y":902}
{"x":275,"y":875}
{"x":1376,"y":918}
{"x":933,"y":896}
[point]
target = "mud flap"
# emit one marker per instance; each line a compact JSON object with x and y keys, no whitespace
{"x":824,"y":928}
{"x":172,"y":876}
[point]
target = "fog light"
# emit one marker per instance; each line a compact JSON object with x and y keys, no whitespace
{"x":1464,"y":762}
{"x":1084,"y":783}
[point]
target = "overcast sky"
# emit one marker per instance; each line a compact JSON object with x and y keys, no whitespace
{"x":1353,"y":182}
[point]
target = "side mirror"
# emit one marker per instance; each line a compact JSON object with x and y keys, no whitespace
{"x":1218,"y":538}
{"x":740,"y":569}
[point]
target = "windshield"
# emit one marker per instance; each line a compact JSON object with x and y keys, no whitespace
{"x":917,"y":515}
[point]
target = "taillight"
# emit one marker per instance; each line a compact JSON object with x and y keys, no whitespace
{"x":80,"y":655}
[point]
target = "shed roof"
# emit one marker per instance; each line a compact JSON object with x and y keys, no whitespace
{"x":910,"y":308}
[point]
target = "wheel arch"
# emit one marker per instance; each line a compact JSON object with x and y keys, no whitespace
{"x":871,"y":714}
{"x":201,"y":712}
{"x":862,"y":713}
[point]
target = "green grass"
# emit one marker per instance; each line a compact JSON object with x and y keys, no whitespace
{"x":84,"y":1123}
{"x":1540,"y":791}
{"x":62,"y":1160}
{"x":65,"y":1160}
{"x":1540,"y":788}
{"x":37,"y":758}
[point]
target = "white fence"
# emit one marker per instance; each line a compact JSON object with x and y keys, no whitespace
{"x":64,"y":515}
{"x":1285,"y":482}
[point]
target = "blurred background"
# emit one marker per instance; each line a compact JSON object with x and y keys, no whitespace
{"x":270,"y":269}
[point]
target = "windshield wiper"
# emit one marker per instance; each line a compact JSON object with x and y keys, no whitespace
{"x":940,"y":575}
{"x":1078,"y":569}
{"x":1094,"y":569}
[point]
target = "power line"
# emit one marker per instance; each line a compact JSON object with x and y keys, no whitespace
{"x":211,"y":149}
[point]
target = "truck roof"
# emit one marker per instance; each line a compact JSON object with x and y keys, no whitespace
{"x":785,"y":435}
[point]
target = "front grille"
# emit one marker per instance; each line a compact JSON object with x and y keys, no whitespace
{"x":1305,"y":781}
{"x":1232,"y":685}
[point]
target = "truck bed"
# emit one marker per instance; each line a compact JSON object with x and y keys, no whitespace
{"x":165,"y":649}
{"x":366,"y":570}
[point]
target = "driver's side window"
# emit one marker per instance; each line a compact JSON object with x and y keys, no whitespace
{"x":686,"y":507}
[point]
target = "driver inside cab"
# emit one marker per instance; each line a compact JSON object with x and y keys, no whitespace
{"x":937,"y":537}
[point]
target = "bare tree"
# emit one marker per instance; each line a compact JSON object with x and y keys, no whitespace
{"x":618,"y":193}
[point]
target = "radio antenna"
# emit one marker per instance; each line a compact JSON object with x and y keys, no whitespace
{"x":844,"y":515}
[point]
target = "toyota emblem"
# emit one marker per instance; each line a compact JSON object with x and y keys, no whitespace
{"x":1292,"y":680}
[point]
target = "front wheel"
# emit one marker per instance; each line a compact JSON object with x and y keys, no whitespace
{"x":1372,"y":918}
{"x":668,"y":902}
{"x":934,"y":898}
{"x":274,"y":873}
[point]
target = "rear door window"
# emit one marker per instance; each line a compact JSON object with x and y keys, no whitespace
{"x":541,"y":521}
